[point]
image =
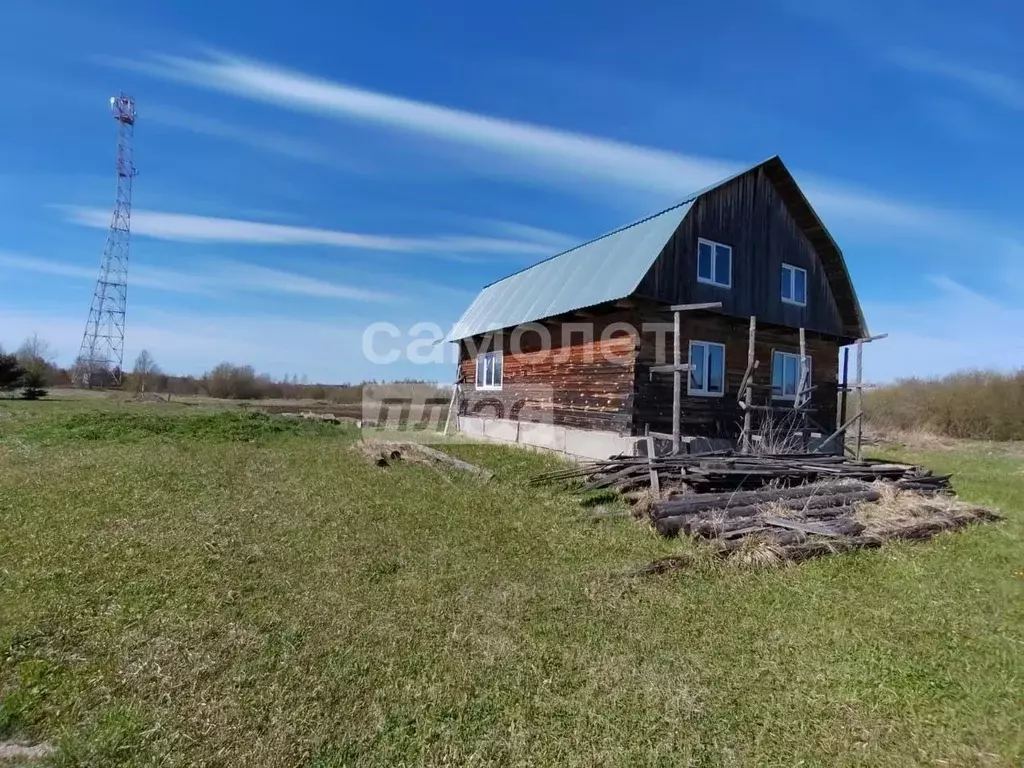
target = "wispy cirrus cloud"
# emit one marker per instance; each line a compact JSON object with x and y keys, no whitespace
{"x":997,"y":87}
{"x":147,"y":277}
{"x":520,"y":148}
{"x":294,"y":147}
{"x":215,"y":278}
{"x":182,"y":227}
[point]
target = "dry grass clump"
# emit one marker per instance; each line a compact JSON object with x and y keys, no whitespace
{"x":641,"y":500}
{"x":759,"y":551}
{"x":898,"y":513}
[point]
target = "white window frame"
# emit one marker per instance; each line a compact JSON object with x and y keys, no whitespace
{"x":796,"y":356}
{"x":790,"y":271}
{"x":481,"y":364}
{"x":714,"y":263}
{"x":703,"y":391}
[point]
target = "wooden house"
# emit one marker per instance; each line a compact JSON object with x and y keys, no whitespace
{"x":575,"y":353}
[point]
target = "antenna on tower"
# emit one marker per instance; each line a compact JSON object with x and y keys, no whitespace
{"x":102,"y":351}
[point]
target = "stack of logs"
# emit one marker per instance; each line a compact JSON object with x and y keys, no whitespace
{"x":794,"y":505}
{"x":723,"y":471}
{"x":730,"y":515}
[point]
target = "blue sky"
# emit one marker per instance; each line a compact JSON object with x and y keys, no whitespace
{"x":308,"y":169}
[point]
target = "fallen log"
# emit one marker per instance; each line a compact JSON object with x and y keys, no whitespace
{"x":746,"y":502}
{"x":444,"y":458}
{"x":833,"y":528}
{"x":819,"y":507}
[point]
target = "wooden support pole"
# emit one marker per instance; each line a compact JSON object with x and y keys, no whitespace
{"x":677,"y":381}
{"x":800,"y":392}
{"x":841,"y":419}
{"x":452,"y":406}
{"x":860,"y":396}
{"x":655,"y":484}
{"x":748,"y":389}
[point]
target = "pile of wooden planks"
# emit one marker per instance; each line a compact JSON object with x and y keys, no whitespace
{"x":775,"y":508}
{"x":725,"y":471}
{"x":732,"y":514}
{"x":793,"y":524}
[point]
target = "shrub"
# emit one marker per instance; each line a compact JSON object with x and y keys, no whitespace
{"x":34,"y":384}
{"x":11,"y":372}
{"x":985,"y":405}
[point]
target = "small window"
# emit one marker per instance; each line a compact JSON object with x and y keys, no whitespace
{"x":714,"y":263}
{"x":707,"y":369}
{"x":786,"y":375}
{"x":794,"y":285}
{"x":488,"y":370}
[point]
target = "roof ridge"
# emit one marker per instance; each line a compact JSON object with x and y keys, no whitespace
{"x":623,"y":228}
{"x":689,"y":198}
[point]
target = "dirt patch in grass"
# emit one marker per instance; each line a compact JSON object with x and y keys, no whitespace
{"x":18,"y":753}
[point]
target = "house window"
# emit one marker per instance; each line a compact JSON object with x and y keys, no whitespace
{"x":488,"y":370}
{"x":786,"y":375}
{"x":707,"y":369}
{"x":714,"y":263}
{"x":794,"y":285}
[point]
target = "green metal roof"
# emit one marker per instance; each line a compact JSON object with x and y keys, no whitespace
{"x":612,"y":266}
{"x":605,"y":269}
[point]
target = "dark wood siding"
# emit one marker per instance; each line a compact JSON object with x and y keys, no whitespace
{"x":748,"y":215}
{"x":583,"y":379}
{"x":722,"y":416}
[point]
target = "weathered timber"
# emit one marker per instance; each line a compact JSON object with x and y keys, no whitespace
{"x":444,"y":458}
{"x":564,"y":376}
{"x":723,"y":417}
{"x":701,"y":501}
{"x":686,"y":520}
{"x":833,"y":528}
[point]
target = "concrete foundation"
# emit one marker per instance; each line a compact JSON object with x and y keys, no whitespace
{"x":579,"y":443}
{"x":586,"y":443}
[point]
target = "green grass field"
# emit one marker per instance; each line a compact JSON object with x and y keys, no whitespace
{"x":183,"y":587}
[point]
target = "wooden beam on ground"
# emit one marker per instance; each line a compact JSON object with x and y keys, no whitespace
{"x":695,"y":307}
{"x":444,"y":458}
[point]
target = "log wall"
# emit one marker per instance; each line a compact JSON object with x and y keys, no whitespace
{"x":584,"y":379}
{"x":721,"y":416}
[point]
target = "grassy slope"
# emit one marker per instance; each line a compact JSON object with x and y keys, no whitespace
{"x":226,"y":593}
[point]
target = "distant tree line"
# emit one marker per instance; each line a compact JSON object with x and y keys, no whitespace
{"x":32,"y":370}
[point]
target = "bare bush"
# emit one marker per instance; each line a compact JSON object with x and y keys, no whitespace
{"x":985,"y":405}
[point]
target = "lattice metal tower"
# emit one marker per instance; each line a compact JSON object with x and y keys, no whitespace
{"x":102,"y":352}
